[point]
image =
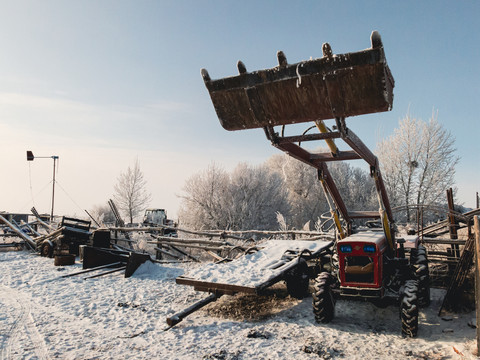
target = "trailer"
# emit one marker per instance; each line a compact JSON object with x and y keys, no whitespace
{"x":292,"y":261}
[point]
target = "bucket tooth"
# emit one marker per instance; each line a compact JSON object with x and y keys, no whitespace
{"x":282,"y":59}
{"x":376,"y":39}
{"x":327,"y":50}
{"x":241,"y":67}
{"x":205,"y":75}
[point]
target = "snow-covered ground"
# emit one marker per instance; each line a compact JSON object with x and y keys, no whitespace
{"x":43,"y":316}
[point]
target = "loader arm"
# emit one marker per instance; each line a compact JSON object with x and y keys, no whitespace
{"x":331,"y":87}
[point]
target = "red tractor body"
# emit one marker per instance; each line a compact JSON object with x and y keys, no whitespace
{"x":361,"y":264}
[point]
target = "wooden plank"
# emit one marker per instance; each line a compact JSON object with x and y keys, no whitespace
{"x":92,"y":269}
{"x":203,"y":247}
{"x":215,"y":256}
{"x":461,"y":270}
{"x":105,"y":273}
{"x":443,"y":241}
{"x":476,"y":225}
{"x":184,"y":253}
{"x":165,"y":252}
{"x":210,"y":286}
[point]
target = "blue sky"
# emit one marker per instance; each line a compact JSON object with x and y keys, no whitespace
{"x":99,"y":83}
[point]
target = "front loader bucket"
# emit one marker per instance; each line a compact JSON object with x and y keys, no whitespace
{"x":325,"y":88}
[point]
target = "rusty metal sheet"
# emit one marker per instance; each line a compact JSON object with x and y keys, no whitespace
{"x":325,"y":88}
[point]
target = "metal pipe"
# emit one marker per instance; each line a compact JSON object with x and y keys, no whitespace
{"x":330,"y":143}
{"x":178,"y":317}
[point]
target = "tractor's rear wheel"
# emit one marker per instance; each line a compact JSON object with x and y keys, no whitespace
{"x":323,"y":300}
{"x":409,"y":308}
{"x":297,"y":280}
{"x":419,"y":261}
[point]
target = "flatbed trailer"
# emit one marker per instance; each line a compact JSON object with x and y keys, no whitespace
{"x":261,"y":267}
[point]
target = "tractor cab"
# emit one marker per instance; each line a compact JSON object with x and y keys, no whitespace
{"x":155,"y":217}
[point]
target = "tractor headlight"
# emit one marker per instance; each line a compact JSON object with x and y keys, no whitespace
{"x":346,"y":248}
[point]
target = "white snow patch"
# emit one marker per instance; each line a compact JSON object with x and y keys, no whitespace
{"x":254,"y":269}
{"x":111,"y":317}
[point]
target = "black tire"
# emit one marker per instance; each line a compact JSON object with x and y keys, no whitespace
{"x":297,"y":280}
{"x":419,"y":262}
{"x":46,"y":249}
{"x":409,"y":308}
{"x":323,"y":300}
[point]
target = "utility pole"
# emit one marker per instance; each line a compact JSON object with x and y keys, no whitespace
{"x":55,"y":158}
{"x":30,"y":157}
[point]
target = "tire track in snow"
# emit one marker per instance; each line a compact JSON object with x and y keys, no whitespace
{"x":23,"y":324}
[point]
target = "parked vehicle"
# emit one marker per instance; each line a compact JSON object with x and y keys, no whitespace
{"x":374,"y":265}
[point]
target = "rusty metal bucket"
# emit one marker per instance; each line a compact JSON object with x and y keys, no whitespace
{"x":332,"y":86}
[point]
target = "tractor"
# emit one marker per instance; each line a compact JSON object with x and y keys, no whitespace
{"x":374,"y":264}
{"x":158,"y":217}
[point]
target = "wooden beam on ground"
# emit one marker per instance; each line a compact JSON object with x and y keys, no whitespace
{"x":443,"y":241}
{"x":461,"y":270}
{"x":476,"y":225}
{"x":165,"y":252}
{"x":30,"y":241}
{"x":49,"y":236}
{"x":220,"y":233}
{"x":92,"y":269}
{"x":215,"y":256}
{"x":168,"y":239}
{"x":106,"y":273}
{"x":203,"y":247}
{"x":184,"y":253}
{"x":40,"y":221}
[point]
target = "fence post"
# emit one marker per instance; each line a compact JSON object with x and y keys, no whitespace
{"x":477,"y":278}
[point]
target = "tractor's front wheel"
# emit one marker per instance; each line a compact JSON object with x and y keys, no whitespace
{"x":323,"y":300}
{"x":409,"y":308}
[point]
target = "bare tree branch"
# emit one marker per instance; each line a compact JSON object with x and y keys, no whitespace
{"x":418,"y":162}
{"x":130,"y":193}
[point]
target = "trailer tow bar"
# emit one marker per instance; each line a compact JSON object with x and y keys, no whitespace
{"x":178,"y":317}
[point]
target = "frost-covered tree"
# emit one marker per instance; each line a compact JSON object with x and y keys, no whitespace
{"x":256,"y":196}
{"x":103,"y":214}
{"x":418,"y":162}
{"x":305,"y":192}
{"x":204,"y":199}
{"x":130,"y":192}
{"x":355,"y":186}
{"x":247,"y":198}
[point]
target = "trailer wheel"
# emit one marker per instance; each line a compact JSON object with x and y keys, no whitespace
{"x":323,"y":301}
{"x":297,"y":280}
{"x":420,"y":266}
{"x":409,"y":308}
{"x":46,"y":249}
